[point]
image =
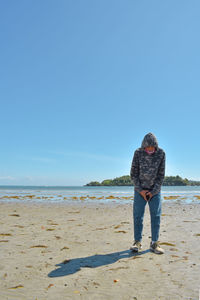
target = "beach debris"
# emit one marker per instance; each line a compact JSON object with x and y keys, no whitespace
{"x":39,"y":246}
{"x":5,"y":234}
{"x":197,"y":196}
{"x":127,"y":198}
{"x":11,"y":197}
{"x":64,"y":248}
{"x":167,"y":244}
{"x":76,"y":292}
{"x":14,"y":215}
{"x":110,"y":197}
{"x":50,"y":229}
{"x":197,"y":234}
{"x":121,"y":231}
{"x":162,"y":271}
{"x":100,"y":228}
{"x":73,"y":212}
{"x":116,"y":280}
{"x":173,"y":249}
{"x":185,"y":257}
{"x":49,"y":286}
{"x":19,"y":226}
{"x":17,"y":287}
{"x":117,"y":226}
{"x":29,"y":266}
{"x":4,"y":241}
{"x":57,"y":237}
{"x":172,"y":255}
{"x":165,"y":215}
{"x":5,"y":275}
{"x":42,"y":227}
{"x":171,"y":197}
{"x":85,"y":287}
{"x":29,"y":196}
{"x":190,"y":221}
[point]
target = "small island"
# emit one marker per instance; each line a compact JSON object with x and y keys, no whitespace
{"x":126,"y":181}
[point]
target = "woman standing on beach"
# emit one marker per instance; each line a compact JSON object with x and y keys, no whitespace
{"x":147,"y":174}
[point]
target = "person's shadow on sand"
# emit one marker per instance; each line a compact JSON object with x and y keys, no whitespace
{"x":74,"y":265}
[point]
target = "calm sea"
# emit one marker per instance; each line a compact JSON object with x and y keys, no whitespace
{"x":85,"y":194}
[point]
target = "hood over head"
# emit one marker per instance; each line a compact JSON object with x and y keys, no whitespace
{"x":149,"y":140}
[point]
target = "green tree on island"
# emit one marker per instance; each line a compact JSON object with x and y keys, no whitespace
{"x":126,"y":181}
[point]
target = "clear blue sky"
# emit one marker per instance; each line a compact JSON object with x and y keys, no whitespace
{"x":82,"y":82}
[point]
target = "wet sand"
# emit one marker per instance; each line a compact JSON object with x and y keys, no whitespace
{"x":69,"y":251}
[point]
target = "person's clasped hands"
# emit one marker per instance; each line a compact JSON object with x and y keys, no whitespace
{"x":146,"y":195}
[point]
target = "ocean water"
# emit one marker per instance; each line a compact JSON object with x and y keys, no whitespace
{"x":103,"y":194}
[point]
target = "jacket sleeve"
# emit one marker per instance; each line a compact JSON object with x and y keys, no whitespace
{"x":160,"y":177}
{"x":134,"y":173}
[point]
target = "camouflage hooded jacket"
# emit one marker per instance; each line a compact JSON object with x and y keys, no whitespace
{"x":148,"y":170}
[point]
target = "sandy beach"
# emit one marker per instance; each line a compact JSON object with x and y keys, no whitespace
{"x":69,"y":251}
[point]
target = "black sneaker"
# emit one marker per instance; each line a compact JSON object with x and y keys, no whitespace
{"x":154,"y":247}
{"x":136,"y":246}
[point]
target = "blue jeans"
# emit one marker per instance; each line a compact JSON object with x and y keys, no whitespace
{"x":138,"y":215}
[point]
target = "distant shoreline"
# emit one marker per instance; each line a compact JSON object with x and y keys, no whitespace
{"x":76,"y":186}
{"x":127,"y":181}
